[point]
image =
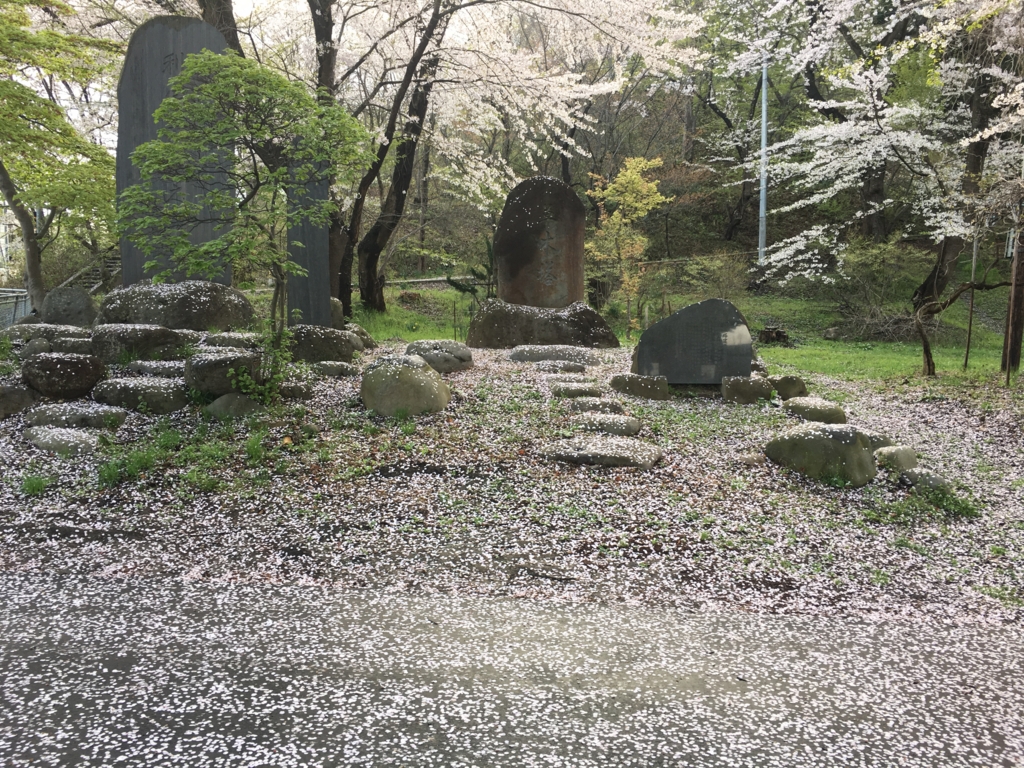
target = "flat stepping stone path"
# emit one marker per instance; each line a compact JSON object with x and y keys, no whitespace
{"x":151,"y":394}
{"x":610,"y":423}
{"x":575,"y":389}
{"x":535,"y":353}
{"x":648,"y":387}
{"x":82,"y":414}
{"x":170,"y":369}
{"x":66,"y":442}
{"x":595,"y":404}
{"x":560,"y":366}
{"x":816,"y":409}
{"x":606,"y":451}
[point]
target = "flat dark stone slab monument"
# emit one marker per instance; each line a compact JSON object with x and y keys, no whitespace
{"x":155,"y":54}
{"x":309,"y":247}
{"x":699,"y":344}
{"x":538,"y":246}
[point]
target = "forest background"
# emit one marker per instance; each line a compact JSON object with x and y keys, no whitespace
{"x":894,"y":142}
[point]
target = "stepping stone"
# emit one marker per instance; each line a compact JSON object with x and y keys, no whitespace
{"x":595,"y":404}
{"x":151,"y":394}
{"x":611,"y":423}
{"x":745,"y":390}
{"x":575,"y":390}
{"x":443,"y":355}
{"x":34,"y":347}
{"x":560,"y":366}
{"x":604,"y":451}
{"x":83,"y":414}
{"x":535,"y":353}
{"x":896,"y":457}
{"x":649,"y":387}
{"x":816,"y":409}
{"x":233,"y":406}
{"x":336,"y":368}
{"x":62,"y":374}
{"x":66,"y":442}
{"x":789,"y":386}
{"x":170,"y":369}
{"x":876,"y":439}
{"x":825,"y":452}
{"x":294,"y":389}
{"x":926,"y":480}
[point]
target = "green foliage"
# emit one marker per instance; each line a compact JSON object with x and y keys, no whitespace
{"x":283,"y":138}
{"x":274,"y":361}
{"x":482,"y":274}
{"x":921,"y":507}
{"x":35,"y":485}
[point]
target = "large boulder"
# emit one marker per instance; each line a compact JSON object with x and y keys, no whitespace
{"x":534,"y":353}
{"x":648,"y":387}
{"x":745,"y":390}
{"x":15,"y":398}
{"x":149,"y":394}
{"x":216,"y":372}
{"x":443,"y":355}
{"x":79,"y":414}
{"x":315,"y":344}
{"x":816,"y":409}
{"x":833,"y":452}
{"x":236,"y":339}
{"x":75,"y":346}
{"x":62,"y":375}
{"x":34,"y":347}
{"x":499,"y":325}
{"x":403,"y":383}
{"x":607,"y":451}
{"x":115,"y":342}
{"x":46,"y":331}
{"x":169,"y":369}
{"x":364,"y":336}
{"x":198,"y":305}
{"x":66,"y":442}
{"x":341,"y":323}
{"x":69,"y":305}
{"x":788,"y":386}
{"x":233,"y":406}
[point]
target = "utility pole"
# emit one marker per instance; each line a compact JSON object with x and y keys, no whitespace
{"x":762,"y":232}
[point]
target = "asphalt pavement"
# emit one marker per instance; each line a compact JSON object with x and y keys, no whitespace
{"x":104,"y":672}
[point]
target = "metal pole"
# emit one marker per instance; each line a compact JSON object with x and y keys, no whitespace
{"x":762,"y":233}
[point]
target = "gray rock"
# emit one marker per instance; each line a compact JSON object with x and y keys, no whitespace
{"x":66,"y":442}
{"x":233,"y":406}
{"x":788,"y":386}
{"x":533,"y":353}
{"x":149,"y":393}
{"x":30,"y":319}
{"x":336,"y":368}
{"x":758,"y":365}
{"x":649,"y":387}
{"x":193,"y":304}
{"x":745,"y":390}
{"x":831,"y":334}
{"x":366,"y":338}
{"x":187,"y":337}
{"x":34,"y":347}
{"x":443,"y":355}
{"x":79,"y":414}
{"x":604,"y":451}
{"x":69,"y":305}
{"x":569,"y":378}
{"x":611,"y":423}
{"x":896,"y":457}
{"x":876,"y":439}
{"x":595,"y":405}
{"x":115,"y":342}
{"x":62,"y":375}
{"x":825,"y":452}
{"x":751,"y":459}
{"x":575,"y":390}
{"x":342,"y":323}
{"x":215,"y":373}
{"x":499,"y":326}
{"x":926,"y":480}
{"x":294,"y":389}
{"x":403,"y":383}
{"x":816,"y":409}
{"x":44,"y":331}
{"x":169,"y":369}
{"x":15,"y":398}
{"x":560,"y":366}
{"x":74,"y":346}
{"x":316,"y":343}
{"x":236,"y":339}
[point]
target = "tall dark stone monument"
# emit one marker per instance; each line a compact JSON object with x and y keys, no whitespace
{"x":538,"y":247}
{"x":155,"y":54}
{"x":308,"y":246}
{"x":699,"y":344}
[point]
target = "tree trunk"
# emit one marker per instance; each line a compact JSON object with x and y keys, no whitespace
{"x":29,"y":237}
{"x":221,"y":14}
{"x":1015,"y":311}
{"x":926,"y":346}
{"x":371,"y":281}
{"x":736,"y":214}
{"x":872,"y":196}
{"x":337,"y":240}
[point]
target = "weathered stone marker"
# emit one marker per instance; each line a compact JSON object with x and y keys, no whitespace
{"x":538,"y":247}
{"x":308,"y":247}
{"x":155,"y":54}
{"x":699,"y":344}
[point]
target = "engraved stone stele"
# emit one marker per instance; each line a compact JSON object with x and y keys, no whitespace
{"x":538,"y":246}
{"x":155,"y":54}
{"x":308,"y":246}
{"x":699,"y":344}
